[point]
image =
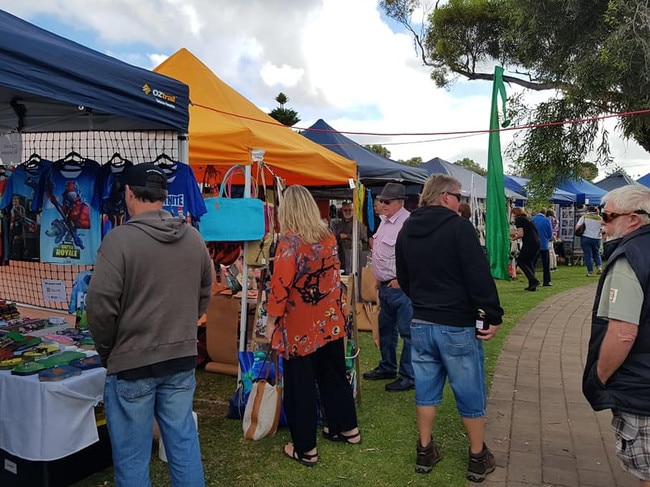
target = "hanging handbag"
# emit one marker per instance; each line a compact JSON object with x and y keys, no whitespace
{"x":232,"y":219}
{"x":581,"y":230}
{"x":264,"y":404}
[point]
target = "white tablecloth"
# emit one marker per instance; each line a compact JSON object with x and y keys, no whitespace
{"x":45,"y":421}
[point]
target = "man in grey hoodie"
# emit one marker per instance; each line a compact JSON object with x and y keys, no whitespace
{"x":151,"y":283}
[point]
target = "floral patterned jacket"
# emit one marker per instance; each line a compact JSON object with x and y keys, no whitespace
{"x":307,"y":294}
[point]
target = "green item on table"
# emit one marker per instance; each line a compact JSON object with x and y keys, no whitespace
{"x":27,"y":368}
{"x":63,"y":358}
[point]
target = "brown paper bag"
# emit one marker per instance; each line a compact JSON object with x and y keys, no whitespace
{"x":368,"y":288}
{"x":367,"y":316}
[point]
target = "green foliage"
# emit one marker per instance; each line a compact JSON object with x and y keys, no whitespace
{"x":413,"y":161}
{"x":468,"y":163}
{"x":387,"y":420}
{"x":286,"y":116}
{"x":594,"y":57}
{"x":379,"y":149}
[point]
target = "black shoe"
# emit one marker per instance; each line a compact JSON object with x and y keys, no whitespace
{"x":479,"y":466}
{"x":547,"y":284}
{"x":427,"y":457}
{"x":399,"y":385}
{"x":376,"y":374}
{"x":531,"y":288}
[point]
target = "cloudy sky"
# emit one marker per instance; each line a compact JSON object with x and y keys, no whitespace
{"x":339,"y":60}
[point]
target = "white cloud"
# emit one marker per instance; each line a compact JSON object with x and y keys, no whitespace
{"x":334,"y":59}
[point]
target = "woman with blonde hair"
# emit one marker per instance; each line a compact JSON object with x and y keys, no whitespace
{"x":307,"y":324}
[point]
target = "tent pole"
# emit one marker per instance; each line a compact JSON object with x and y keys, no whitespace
{"x":183,"y":148}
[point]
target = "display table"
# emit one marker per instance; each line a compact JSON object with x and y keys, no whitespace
{"x":43,"y":421}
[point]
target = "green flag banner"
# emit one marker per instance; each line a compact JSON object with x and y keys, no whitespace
{"x":497,"y":229}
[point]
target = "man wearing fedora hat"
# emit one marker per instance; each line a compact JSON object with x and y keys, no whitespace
{"x":395,"y":310}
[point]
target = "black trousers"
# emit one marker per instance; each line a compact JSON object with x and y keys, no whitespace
{"x":525,"y":261}
{"x":546,"y":266}
{"x":325,"y":367}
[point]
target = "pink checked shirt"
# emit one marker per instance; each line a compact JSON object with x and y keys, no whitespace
{"x":383,"y":246}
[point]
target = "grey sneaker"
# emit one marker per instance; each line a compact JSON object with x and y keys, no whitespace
{"x":427,"y":457}
{"x":480,"y":465}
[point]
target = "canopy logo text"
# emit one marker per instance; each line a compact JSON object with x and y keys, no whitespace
{"x":161,"y":97}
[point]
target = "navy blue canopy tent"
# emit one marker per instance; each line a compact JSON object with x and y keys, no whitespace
{"x":373,"y":169}
{"x":584,"y":191}
{"x":49,"y":83}
{"x":518,"y":185}
{"x":645,"y":180}
{"x":615,"y":180}
{"x":473,"y":184}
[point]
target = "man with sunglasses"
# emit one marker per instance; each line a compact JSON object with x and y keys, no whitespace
{"x":395,"y":310}
{"x":443,"y":269}
{"x":617,"y":370}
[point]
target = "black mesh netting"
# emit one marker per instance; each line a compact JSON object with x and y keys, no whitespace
{"x":24,"y":281}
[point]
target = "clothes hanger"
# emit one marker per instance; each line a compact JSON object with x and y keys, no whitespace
{"x":73,"y":158}
{"x":117,"y":160}
{"x":164,"y":161}
{"x":33,"y":161}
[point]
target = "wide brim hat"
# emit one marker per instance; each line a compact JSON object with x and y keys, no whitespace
{"x":393,"y":191}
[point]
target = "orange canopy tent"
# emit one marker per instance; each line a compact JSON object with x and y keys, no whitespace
{"x":225,"y":128}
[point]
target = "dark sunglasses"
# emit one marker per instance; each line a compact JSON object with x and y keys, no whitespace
{"x":457,"y":195}
{"x":385,"y":202}
{"x":609,"y":216}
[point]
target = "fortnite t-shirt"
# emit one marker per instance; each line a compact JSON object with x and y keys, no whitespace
{"x":20,"y":204}
{"x":183,"y":194}
{"x":70,"y":221}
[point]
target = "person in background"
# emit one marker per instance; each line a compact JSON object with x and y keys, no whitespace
{"x":306,"y":323}
{"x":378,"y":215}
{"x":545,"y":234}
{"x":395,"y":310}
{"x":552,"y":255}
{"x":443,"y":269}
{"x":617,"y":370}
{"x":342,"y":229}
{"x":464,"y":210}
{"x":527,"y":233}
{"x":152,"y":281}
{"x":590,"y":240}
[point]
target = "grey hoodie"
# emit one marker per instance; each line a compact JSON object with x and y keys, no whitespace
{"x":151,"y":283}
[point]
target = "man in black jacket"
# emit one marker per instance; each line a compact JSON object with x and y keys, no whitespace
{"x":443,"y":269}
{"x":617,"y":370}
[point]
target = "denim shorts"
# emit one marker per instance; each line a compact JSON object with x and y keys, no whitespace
{"x":440,"y":352}
{"x":633,"y":443}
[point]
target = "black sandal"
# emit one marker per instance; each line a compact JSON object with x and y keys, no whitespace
{"x":305,"y":459}
{"x":341,"y":438}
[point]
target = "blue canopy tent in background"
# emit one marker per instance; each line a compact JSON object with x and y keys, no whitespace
{"x":645,"y":180}
{"x":615,"y":180}
{"x":518,"y":185}
{"x":374,"y":170}
{"x":49,"y":83}
{"x":586,"y":192}
{"x":473,"y":184}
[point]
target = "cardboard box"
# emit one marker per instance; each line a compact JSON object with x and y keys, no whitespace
{"x":17,"y":472}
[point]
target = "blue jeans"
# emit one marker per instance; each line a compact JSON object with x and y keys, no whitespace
{"x":395,"y":315}
{"x":591,"y":250}
{"x":441,"y":352}
{"x":130,"y":408}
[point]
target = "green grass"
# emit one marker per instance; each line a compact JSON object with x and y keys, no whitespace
{"x":387,"y":420}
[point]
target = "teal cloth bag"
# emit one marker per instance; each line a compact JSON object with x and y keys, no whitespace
{"x":232,"y":219}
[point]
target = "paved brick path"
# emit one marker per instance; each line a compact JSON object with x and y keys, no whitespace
{"x":541,"y":429}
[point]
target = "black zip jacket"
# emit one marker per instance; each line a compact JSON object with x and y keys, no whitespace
{"x":443,"y":269}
